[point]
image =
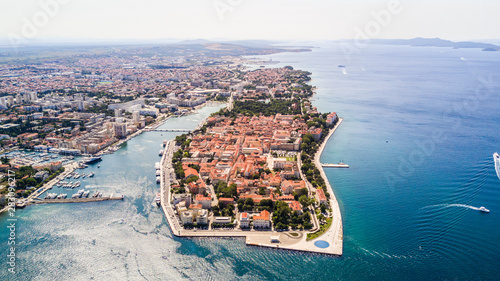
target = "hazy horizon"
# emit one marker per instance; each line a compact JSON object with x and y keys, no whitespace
{"x":154,"y":20}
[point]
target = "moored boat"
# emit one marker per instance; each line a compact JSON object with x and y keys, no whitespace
{"x":158,"y":199}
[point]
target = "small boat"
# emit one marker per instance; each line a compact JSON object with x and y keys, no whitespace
{"x":21,"y":204}
{"x":483,"y":209}
{"x":91,"y":174}
{"x":98,"y":166}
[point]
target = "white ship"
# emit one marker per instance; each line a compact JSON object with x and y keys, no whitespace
{"x":90,"y":159}
{"x":496,"y":157}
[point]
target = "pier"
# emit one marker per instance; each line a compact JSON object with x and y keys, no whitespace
{"x":330,"y":165}
{"x":77,"y":200}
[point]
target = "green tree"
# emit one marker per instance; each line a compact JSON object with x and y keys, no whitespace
{"x":31,"y":182}
{"x":323,"y":208}
{"x":5,"y":160}
{"x":304,"y":201}
{"x":262,"y":190}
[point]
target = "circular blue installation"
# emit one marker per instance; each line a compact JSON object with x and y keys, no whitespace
{"x":321,"y":244}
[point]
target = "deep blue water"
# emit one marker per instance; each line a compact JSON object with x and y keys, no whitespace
{"x":420,"y":128}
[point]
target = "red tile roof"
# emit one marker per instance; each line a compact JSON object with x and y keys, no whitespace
{"x":264,"y":215}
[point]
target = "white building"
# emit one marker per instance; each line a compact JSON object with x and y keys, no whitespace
{"x":186,"y":217}
{"x":118,"y":112}
{"x":202,"y":217}
{"x":81,"y":106}
{"x":136,"y":115}
{"x":244,"y":220}
{"x":183,"y":197}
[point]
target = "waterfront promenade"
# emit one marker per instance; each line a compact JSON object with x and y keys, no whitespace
{"x":290,"y":240}
{"x":335,"y":233}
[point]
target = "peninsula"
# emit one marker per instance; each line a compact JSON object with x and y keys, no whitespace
{"x":252,"y":170}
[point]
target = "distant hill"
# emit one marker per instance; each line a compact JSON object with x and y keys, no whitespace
{"x":244,"y":43}
{"x":435,"y":42}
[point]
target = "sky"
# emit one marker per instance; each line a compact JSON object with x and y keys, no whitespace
{"x":248,"y":19}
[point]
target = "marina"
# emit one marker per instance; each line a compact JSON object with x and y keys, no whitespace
{"x":78,"y":200}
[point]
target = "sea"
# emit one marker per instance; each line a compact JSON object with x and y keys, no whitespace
{"x":420,"y":127}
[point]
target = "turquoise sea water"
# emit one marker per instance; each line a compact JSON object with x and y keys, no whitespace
{"x":420,"y":128}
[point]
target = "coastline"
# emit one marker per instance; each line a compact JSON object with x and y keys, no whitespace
{"x":334,"y":234}
{"x":336,"y":226}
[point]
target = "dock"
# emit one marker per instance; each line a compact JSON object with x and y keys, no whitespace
{"x":330,"y":165}
{"x":76,"y":200}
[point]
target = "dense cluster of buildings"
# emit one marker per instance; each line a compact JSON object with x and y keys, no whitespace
{"x":240,"y":152}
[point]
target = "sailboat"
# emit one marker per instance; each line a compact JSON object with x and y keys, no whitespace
{"x":496,"y":157}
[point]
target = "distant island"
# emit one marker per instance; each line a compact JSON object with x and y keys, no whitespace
{"x":435,"y":42}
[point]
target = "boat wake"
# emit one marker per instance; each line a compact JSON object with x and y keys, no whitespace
{"x":452,"y":205}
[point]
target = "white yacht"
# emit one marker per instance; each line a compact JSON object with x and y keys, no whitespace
{"x":158,"y":199}
{"x":496,"y":157}
{"x":483,"y":209}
